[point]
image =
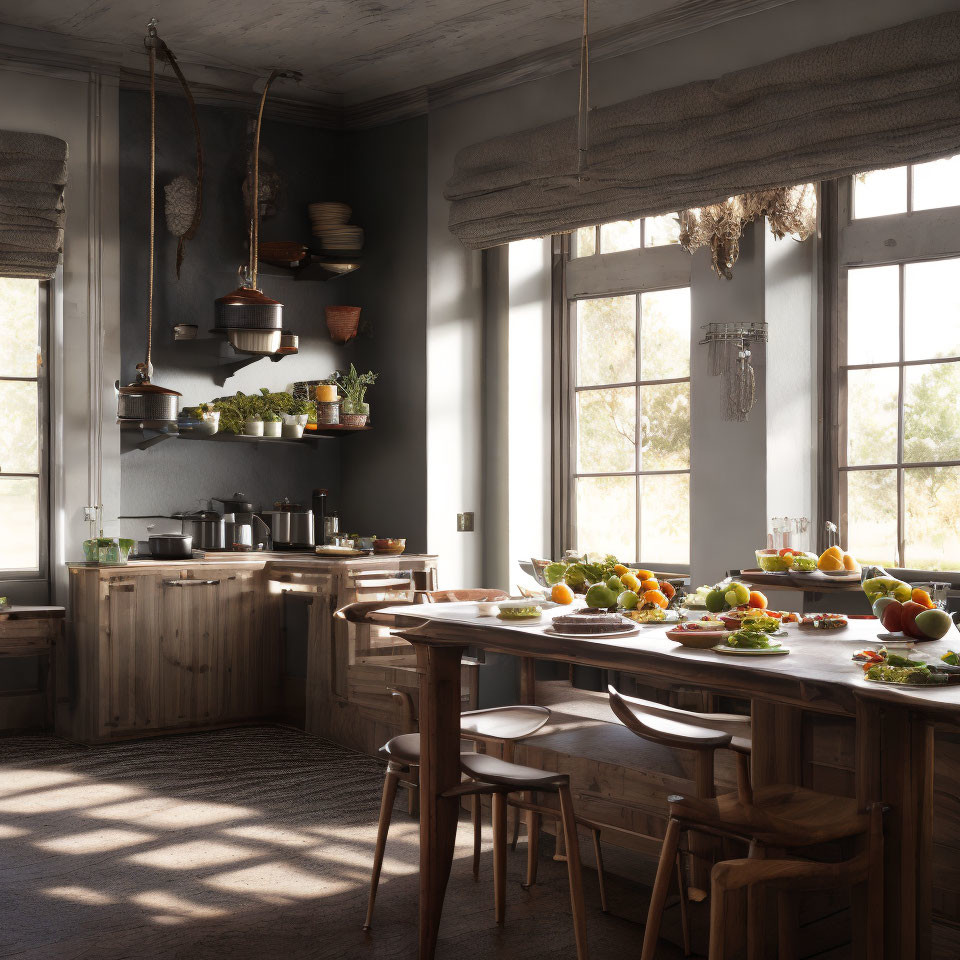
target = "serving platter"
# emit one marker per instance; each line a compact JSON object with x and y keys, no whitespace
{"x":627,"y":632}
{"x":750,"y":652}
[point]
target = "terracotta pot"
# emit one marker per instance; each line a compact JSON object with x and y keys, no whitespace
{"x":342,"y":322}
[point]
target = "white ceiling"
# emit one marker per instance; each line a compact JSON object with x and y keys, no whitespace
{"x":353,"y":52}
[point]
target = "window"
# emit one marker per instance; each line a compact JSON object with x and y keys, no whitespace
{"x":627,"y":403}
{"x":898,"y":364}
{"x":626,"y":235}
{"x":23,"y":494}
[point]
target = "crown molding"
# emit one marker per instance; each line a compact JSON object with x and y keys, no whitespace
{"x":228,"y":85}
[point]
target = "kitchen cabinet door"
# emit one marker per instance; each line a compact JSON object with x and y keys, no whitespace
{"x":192,"y":658}
{"x":129,"y":660}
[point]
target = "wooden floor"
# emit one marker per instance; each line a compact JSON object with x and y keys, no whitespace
{"x":248,"y":843}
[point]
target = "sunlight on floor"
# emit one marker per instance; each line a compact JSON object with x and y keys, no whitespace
{"x":161,"y":813}
{"x":264,"y":833}
{"x":93,"y":898}
{"x":193,"y":855}
{"x":19,"y":781}
{"x":172,"y":905}
{"x":47,"y":801}
{"x":276,"y":882}
{"x":95,"y":841}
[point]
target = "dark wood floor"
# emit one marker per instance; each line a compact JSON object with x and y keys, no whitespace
{"x":249,"y":843}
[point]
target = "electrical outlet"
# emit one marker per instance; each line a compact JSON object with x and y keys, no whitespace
{"x":465,"y":522}
{"x":90,"y":514}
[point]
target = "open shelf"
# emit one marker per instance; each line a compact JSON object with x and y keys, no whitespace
{"x":156,"y":431}
{"x":316,"y":267}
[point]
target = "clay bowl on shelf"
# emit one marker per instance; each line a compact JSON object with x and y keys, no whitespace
{"x":393,"y":545}
{"x":342,"y":322}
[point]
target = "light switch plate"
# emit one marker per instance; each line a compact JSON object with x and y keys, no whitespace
{"x":465,"y":522}
{"x":90,"y":514}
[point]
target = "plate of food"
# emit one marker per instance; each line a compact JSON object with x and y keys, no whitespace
{"x":701,"y":634}
{"x":753,"y":617}
{"x":525,"y":610}
{"x":591,"y":623}
{"x":824,"y":622}
{"x":750,"y":643}
{"x":651,"y":616}
{"x":894,"y":669}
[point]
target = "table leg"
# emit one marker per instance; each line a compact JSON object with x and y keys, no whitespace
{"x":439,"y":669}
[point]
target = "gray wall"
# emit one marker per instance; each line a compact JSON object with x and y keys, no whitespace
{"x":175,"y":473}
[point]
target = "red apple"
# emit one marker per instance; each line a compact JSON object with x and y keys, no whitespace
{"x":891,"y":616}
{"x":909,"y":619}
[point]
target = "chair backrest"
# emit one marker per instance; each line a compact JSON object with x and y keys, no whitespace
{"x":469,"y":594}
{"x":364,"y":611}
{"x":670,"y":726}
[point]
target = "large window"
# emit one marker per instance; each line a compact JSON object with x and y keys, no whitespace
{"x":23,"y":494}
{"x":628,"y":396}
{"x":898,"y":354}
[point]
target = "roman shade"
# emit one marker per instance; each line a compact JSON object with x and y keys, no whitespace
{"x":876,"y":100}
{"x":33,"y":171}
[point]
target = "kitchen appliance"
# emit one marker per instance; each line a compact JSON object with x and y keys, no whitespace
{"x":143,"y":400}
{"x":237,"y":534}
{"x":331,"y":526}
{"x":206,"y":528}
{"x":291,"y":527}
{"x":171,"y":546}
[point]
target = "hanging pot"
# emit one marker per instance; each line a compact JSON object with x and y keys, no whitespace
{"x":146,"y":401}
{"x":249,"y":309}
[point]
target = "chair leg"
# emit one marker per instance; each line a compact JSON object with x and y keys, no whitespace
{"x":573,"y":871}
{"x":684,"y":904}
{"x":598,"y":855}
{"x":717,"y":918}
{"x":475,"y":814}
{"x":874,"y":935}
{"x":533,"y":847}
{"x":788,"y":923}
{"x":658,"y":897}
{"x":383,"y":826}
{"x":499,"y":855}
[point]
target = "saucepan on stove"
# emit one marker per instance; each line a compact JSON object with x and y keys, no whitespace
{"x":171,"y":546}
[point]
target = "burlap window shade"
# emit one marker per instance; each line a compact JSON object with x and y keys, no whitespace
{"x":877,"y":100}
{"x":33,"y":171}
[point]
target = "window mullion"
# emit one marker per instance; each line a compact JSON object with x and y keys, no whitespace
{"x":901,"y":521}
{"x":637,"y":462}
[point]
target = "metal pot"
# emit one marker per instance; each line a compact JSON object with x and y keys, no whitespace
{"x":279,"y":523}
{"x":248,"y":309}
{"x":145,"y":401}
{"x":235,"y":504}
{"x":206,"y":528}
{"x":171,"y":546}
{"x":238,"y":534}
{"x":301,"y":528}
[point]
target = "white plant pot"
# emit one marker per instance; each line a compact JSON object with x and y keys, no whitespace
{"x":253,"y":428}
{"x":292,"y":431}
{"x":295,"y":418}
{"x":271,"y":428}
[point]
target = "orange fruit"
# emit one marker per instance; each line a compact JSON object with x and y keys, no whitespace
{"x":922,"y":597}
{"x":655,"y":596}
{"x":630,"y":582}
{"x":649,"y":584}
{"x":619,"y":569}
{"x":666,"y":588}
{"x":757,"y":599}
{"x":561,"y":593}
{"x":643,"y":574}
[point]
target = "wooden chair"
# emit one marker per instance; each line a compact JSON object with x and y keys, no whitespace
{"x":781,"y":817}
{"x":501,"y":778}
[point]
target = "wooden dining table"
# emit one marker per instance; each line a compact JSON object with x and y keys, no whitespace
{"x":894,"y":730}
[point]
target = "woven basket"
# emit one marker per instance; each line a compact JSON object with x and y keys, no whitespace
{"x":353,"y":419}
{"x":342,"y":322}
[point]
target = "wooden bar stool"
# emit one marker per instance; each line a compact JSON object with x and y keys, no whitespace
{"x":502,"y":778}
{"x":503,"y":725}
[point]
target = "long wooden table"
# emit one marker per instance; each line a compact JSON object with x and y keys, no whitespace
{"x":894,"y":733}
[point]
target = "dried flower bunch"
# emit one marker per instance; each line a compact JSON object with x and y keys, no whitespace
{"x":791,"y":211}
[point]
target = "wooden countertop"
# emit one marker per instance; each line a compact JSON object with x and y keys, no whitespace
{"x":259,"y":559}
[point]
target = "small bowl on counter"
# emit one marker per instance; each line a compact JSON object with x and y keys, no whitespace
{"x":390,"y":545}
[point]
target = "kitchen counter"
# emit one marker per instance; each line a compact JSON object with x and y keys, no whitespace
{"x":257,"y":559}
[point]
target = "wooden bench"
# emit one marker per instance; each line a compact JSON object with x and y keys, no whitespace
{"x":30,"y":632}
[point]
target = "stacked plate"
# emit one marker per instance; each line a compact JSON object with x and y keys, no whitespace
{"x":328,"y":214}
{"x":329,"y":222}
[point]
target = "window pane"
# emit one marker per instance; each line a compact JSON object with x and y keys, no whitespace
{"x":872,"y":515}
{"x":606,"y":341}
{"x":931,"y":309}
{"x":18,"y":439}
{"x":880,"y":192}
{"x":931,"y":497}
{"x":19,"y":327}
{"x":607,"y":516}
{"x":872,"y":416}
{"x":622,"y":235}
{"x":20,"y":506}
{"x":665,"y":334}
{"x":931,"y":412}
{"x":936,"y":184}
{"x":665,"y":426}
{"x":665,"y":519}
{"x":873,"y":315}
{"x":606,"y":430}
{"x":585,"y":242}
{"x":661,"y":231}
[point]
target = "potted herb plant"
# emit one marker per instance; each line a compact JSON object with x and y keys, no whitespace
{"x":354,"y":410}
{"x":271,"y":423}
{"x":297,"y":412}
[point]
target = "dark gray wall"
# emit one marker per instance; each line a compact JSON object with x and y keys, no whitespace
{"x":384,"y":472}
{"x":175,"y":473}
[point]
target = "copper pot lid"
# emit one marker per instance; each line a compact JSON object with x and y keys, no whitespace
{"x":136,"y":389}
{"x":247,"y":297}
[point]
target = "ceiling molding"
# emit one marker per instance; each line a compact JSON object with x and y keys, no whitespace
{"x":225,"y":85}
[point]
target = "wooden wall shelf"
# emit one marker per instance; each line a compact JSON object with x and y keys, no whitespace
{"x":156,"y":431}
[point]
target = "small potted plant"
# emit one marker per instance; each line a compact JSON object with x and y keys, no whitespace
{"x":251,"y":409}
{"x":354,"y":410}
{"x":298,"y":412}
{"x":271,"y":424}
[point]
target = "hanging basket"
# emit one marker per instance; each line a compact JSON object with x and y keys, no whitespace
{"x":342,"y":322}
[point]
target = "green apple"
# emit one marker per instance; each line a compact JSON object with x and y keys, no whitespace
{"x":934,"y":623}
{"x":614,"y":583}
{"x":628,"y":600}
{"x":714,"y":601}
{"x":877,"y":587}
{"x":737,"y":594}
{"x":600,"y":596}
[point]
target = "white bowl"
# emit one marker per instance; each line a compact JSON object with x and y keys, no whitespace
{"x":254,"y":341}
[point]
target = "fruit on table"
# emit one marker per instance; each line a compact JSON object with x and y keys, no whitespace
{"x":561,"y":593}
{"x":642,"y":575}
{"x":933,"y":623}
{"x":757,"y":599}
{"x":737,"y":594}
{"x":619,"y":569}
{"x":773,"y":561}
{"x":715,"y":601}
{"x":877,"y":587}
{"x":630,"y":582}
{"x":651,"y":583}
{"x":922,"y":597}
{"x":878,"y":605}
{"x":628,"y":600}
{"x":656,"y":597}
{"x":667,"y":589}
{"x":891,"y":616}
{"x":554,"y":572}
{"x":831,"y":559}
{"x":850,"y":564}
{"x":601,"y":596}
{"x":804,"y":562}
{"x":911,"y":611}
{"x":614,"y":583}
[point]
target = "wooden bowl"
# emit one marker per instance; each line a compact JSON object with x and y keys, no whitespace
{"x":393,"y":545}
{"x":342,"y":322}
{"x":701,"y":639}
